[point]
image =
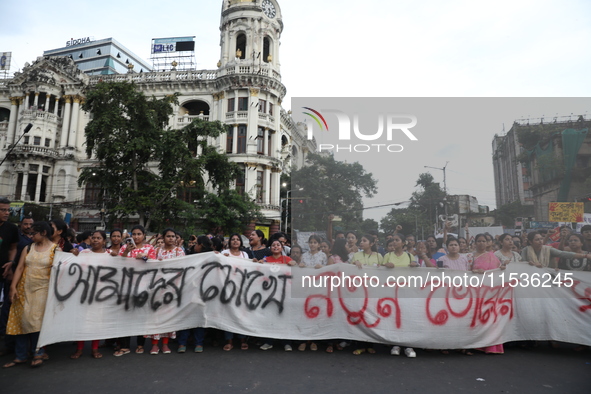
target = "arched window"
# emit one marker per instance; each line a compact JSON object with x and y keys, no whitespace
{"x":195,"y":107}
{"x":267,"y":50}
{"x":241,"y":46}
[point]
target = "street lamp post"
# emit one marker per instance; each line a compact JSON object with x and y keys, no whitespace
{"x":25,"y":131}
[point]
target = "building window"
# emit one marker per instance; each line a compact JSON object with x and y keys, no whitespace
{"x":26,"y":140}
{"x":242,"y":103}
{"x":269,"y":143}
{"x":271,"y":109}
{"x":261,"y":141}
{"x":240,"y":182}
{"x":91,"y":194}
{"x":241,"y":148}
{"x":47,"y":142}
{"x":37,"y":141}
{"x":230,"y":139}
{"x":241,"y":46}
{"x":34,"y":167}
{"x":231,"y":104}
{"x":263,"y":106}
{"x":46,"y":169}
{"x":260,"y":186}
{"x":266,"y":49}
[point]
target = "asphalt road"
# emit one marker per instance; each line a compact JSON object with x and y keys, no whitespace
{"x":534,"y":370}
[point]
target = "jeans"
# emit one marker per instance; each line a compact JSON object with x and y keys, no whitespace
{"x":228,"y":336}
{"x":21,"y":347}
{"x":198,"y":333}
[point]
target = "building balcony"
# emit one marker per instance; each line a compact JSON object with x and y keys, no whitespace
{"x":29,"y":115}
{"x":187,"y":119}
{"x":269,"y":207}
{"x":34,"y":150}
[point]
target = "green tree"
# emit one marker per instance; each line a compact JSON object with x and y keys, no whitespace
{"x":429,"y":199}
{"x":147,"y":169}
{"x":327,"y":186}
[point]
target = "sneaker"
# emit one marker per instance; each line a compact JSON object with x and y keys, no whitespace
{"x":287,"y":348}
{"x":410,"y":352}
{"x":199,"y":349}
{"x":395,"y":351}
{"x":266,"y":346}
{"x":181,"y":349}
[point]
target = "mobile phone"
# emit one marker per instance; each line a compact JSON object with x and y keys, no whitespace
{"x":129,"y":241}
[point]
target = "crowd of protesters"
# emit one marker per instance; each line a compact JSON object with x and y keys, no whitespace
{"x":26,"y":256}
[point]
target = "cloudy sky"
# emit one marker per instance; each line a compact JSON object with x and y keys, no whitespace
{"x":346,"y":48}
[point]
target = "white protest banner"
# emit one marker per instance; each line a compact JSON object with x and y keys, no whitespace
{"x":99,"y":296}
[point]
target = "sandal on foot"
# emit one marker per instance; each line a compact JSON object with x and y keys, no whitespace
{"x":76,"y":355}
{"x":37,"y":361}
{"x":302,"y":347}
{"x":139,"y":350}
{"x":244,"y":346}
{"x":228,"y":347}
{"x":371,"y":350}
{"x":96,"y":355}
{"x":329,"y":349}
{"x":14,"y":363}
{"x":181,"y":349}
{"x":121,"y":352}
{"x":359,"y":351}
{"x":198,"y":349}
{"x":313,"y":347}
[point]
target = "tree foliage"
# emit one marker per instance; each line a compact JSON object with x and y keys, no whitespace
{"x":329,"y":187}
{"x":145,"y":168}
{"x":425,"y":204}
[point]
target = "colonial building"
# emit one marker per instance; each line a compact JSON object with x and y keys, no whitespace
{"x":244,"y":91}
{"x":512,"y":180}
{"x":553,"y":160}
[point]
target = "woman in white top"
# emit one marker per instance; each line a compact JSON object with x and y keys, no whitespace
{"x":314,"y":258}
{"x":506,"y":253}
{"x":235,"y":247}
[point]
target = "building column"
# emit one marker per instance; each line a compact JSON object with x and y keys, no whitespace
{"x":38,"y":186}
{"x":252,"y":122}
{"x":36,"y":102}
{"x":66,"y":122}
{"x":24,"y":186}
{"x":57,"y":104}
{"x":235,"y":139}
{"x":265,"y":140}
{"x":266,"y":185}
{"x":12,"y":120}
{"x":47,"y":98}
{"x":74,"y":124}
{"x":275,"y":198}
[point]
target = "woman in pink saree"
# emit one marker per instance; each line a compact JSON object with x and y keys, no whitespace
{"x":485,"y":261}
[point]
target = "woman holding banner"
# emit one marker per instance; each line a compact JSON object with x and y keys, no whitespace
{"x":98,"y":241}
{"x":135,"y":247}
{"x":28,"y":293}
{"x":485,"y":260}
{"x":506,"y":253}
